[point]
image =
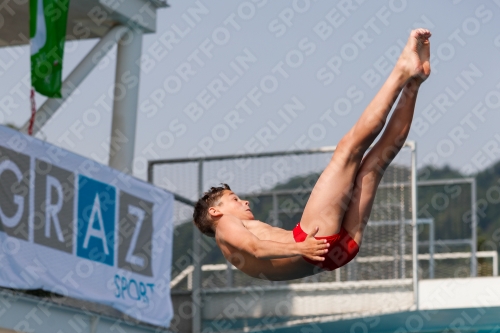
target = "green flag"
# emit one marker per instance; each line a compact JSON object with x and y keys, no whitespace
{"x":48,"y":34}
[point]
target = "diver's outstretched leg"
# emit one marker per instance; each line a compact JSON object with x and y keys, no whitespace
{"x":378,"y":159}
{"x":332,"y":193}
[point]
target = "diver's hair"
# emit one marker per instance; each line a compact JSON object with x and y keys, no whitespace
{"x":209,"y":199}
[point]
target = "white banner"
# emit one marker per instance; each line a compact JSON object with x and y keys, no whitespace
{"x":74,"y":227}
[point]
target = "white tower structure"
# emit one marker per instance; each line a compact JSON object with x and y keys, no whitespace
{"x":121,"y":22}
{"x":114,"y":22}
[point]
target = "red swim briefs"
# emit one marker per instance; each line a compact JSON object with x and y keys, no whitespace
{"x":342,"y":248}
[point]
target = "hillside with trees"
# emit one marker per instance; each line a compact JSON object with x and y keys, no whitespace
{"x":449,"y":206}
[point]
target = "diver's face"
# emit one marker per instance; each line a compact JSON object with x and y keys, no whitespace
{"x":231,"y":204}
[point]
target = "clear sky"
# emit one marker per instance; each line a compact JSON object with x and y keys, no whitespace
{"x":221,"y":77}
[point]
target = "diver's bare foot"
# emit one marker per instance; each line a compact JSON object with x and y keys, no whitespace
{"x":414,"y":60}
{"x":424,"y":53}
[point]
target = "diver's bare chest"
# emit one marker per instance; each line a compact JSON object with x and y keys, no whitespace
{"x":265,"y":232}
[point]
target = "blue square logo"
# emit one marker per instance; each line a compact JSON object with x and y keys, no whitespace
{"x":96,"y":221}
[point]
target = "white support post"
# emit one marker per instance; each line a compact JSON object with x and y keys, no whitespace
{"x":473,"y":260}
{"x":196,"y":295}
{"x":229,"y":274}
{"x":125,"y":101}
{"x":94,"y":321}
{"x":414,"y":208}
{"x":402,"y":242}
{"x":495,"y":263}
{"x":431,"y":249}
{"x":76,"y":77}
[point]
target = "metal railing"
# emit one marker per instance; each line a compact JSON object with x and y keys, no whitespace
{"x":187,"y":273}
{"x":472,"y":242}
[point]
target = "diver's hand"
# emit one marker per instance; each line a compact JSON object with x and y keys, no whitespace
{"x":313,"y":248}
